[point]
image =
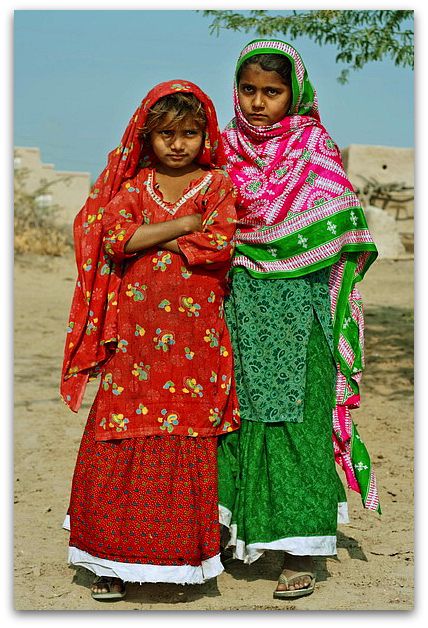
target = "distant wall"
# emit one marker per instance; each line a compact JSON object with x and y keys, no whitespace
{"x":391,"y":223}
{"x":69,"y":191}
{"x":386,"y":164}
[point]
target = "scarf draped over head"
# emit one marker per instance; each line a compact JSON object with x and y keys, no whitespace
{"x":298,"y":213}
{"x":92,"y":328}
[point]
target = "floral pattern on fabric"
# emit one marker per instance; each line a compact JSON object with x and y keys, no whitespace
{"x":159,"y":380}
{"x":89,"y":343}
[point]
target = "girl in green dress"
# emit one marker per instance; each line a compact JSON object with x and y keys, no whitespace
{"x":296,"y":322}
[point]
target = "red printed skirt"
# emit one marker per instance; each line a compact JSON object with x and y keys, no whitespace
{"x":146,"y":509}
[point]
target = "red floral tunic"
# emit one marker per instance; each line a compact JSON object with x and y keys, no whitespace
{"x":172,"y":369}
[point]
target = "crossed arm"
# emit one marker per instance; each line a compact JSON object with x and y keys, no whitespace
{"x":165,"y":233}
{"x":202,"y":238}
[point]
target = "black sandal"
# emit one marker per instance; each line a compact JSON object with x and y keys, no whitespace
{"x":108,"y":582}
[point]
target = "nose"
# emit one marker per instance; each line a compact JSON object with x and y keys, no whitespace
{"x":177,"y":143}
{"x":258,"y":102}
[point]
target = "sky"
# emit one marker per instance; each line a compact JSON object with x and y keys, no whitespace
{"x":78,"y":75}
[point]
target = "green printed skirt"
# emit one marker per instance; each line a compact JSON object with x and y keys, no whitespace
{"x":278,"y":484}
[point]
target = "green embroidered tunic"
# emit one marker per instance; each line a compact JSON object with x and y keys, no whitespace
{"x":270,"y":323}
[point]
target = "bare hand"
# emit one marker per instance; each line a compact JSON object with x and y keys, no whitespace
{"x":191,"y":223}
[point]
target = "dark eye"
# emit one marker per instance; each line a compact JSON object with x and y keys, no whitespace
{"x":191,"y":132}
{"x":166,"y":132}
{"x":271,"y":91}
{"x":246,"y":89}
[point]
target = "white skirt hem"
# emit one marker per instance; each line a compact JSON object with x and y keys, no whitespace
{"x":136,"y":572}
{"x":298,"y":545}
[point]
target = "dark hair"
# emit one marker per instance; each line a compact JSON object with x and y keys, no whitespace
{"x":181,"y":105}
{"x":270,"y":63}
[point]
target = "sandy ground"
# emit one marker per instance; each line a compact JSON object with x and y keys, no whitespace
{"x":374,"y":566}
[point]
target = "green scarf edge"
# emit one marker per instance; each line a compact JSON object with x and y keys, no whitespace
{"x":297,"y":92}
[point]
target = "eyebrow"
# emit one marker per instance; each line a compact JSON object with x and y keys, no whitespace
{"x":178,"y":128}
{"x":248,"y":84}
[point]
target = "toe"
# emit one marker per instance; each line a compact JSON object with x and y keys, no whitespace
{"x":117,"y":585}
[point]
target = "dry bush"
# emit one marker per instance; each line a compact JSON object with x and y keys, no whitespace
{"x":35,"y":227}
{"x":386,"y":195}
{"x":40,"y":241}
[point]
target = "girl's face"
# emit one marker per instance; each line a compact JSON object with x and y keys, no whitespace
{"x":263,"y":96}
{"x":177,"y":146}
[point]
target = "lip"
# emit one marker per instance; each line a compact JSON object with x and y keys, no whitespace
{"x":176,"y":157}
{"x":258,"y":116}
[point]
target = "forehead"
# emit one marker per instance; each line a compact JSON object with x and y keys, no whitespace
{"x":255,"y":75}
{"x":170,"y":121}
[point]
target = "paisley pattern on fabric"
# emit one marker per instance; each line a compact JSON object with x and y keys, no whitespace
{"x":271,"y":360}
{"x":279,"y":480}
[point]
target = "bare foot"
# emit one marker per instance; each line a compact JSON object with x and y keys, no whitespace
{"x":293,"y":566}
{"x":106,"y":586}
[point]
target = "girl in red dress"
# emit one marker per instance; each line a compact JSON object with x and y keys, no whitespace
{"x":153,"y":249}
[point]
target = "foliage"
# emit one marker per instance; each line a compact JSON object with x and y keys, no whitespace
{"x":360,"y":36}
{"x":35,"y":228}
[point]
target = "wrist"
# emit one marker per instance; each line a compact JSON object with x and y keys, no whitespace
{"x":186,"y":224}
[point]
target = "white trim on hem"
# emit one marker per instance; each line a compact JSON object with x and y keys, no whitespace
{"x":135,"y":572}
{"x":298,"y":545}
{"x":224,"y":515}
{"x":342,"y":512}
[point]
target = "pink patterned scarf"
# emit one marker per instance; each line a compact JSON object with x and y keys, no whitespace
{"x":297,"y":213}
{"x":290,"y":166}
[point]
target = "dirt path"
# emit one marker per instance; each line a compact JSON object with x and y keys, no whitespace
{"x":374,"y":566}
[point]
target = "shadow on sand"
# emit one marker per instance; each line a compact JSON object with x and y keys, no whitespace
{"x":389,"y":352}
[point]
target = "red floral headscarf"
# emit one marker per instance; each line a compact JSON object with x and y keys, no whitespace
{"x":92,"y":329}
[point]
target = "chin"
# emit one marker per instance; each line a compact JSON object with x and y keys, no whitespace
{"x":258,"y":123}
{"x":264,"y":122}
